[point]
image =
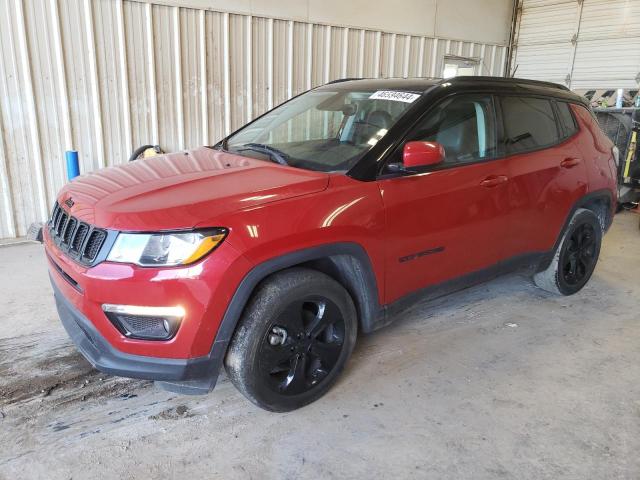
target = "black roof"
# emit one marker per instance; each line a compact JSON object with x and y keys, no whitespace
{"x":405,"y":84}
{"x":505,"y":81}
{"x":423,"y":85}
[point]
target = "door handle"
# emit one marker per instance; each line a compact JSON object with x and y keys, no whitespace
{"x":493,"y":181}
{"x":569,"y":162}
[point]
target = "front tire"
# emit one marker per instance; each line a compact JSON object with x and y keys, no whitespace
{"x":293,"y":340}
{"x":575,"y":257}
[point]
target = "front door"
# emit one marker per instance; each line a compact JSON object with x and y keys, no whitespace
{"x":451,"y":220}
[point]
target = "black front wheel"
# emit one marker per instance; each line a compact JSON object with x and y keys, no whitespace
{"x":293,"y":340}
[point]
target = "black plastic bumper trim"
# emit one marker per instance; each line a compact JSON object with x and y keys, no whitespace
{"x":64,"y":274}
{"x":200,"y":371}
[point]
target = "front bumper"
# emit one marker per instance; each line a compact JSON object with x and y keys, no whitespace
{"x":194,"y":375}
{"x":203,"y":290}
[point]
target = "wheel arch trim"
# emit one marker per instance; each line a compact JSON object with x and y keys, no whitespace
{"x":366,"y":296}
{"x":366,"y":299}
{"x":583,"y":202}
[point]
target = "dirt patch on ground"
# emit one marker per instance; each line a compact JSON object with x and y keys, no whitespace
{"x":28,"y":374}
{"x":181,"y":411}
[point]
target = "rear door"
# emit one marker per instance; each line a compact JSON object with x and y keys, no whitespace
{"x":546,"y":170}
{"x":450,"y":220}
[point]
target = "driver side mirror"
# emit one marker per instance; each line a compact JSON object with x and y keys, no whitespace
{"x":422,"y":154}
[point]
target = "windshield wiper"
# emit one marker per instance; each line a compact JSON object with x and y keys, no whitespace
{"x":276,"y":155}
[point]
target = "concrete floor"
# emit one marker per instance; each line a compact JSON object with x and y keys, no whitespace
{"x":499,"y":381}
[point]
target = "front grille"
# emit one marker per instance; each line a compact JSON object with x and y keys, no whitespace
{"x":77,"y":239}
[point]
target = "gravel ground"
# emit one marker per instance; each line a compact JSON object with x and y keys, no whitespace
{"x":499,"y":381}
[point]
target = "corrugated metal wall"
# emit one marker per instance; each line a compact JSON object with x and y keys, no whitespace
{"x":583,"y":44}
{"x":106,"y":76}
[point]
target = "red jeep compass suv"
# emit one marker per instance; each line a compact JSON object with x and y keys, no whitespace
{"x":325,"y":217}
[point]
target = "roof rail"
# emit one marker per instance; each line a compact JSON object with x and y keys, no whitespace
{"x":524,"y":81}
{"x":339,"y":80}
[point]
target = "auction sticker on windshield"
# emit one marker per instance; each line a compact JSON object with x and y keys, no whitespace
{"x":395,"y":96}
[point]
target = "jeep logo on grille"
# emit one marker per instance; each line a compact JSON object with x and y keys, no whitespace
{"x":69,"y":203}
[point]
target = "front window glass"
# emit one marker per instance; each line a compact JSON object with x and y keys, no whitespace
{"x":464,"y":125}
{"x":322,"y":130}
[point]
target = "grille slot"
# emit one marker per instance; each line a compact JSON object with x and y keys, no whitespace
{"x":56,"y":218}
{"x":54,"y":214}
{"x":69,"y":229}
{"x":62,"y":219}
{"x":80,"y":241}
{"x":96,"y":239}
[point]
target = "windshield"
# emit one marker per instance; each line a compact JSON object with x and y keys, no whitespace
{"x":322,"y":130}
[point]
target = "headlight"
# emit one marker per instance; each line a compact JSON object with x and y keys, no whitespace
{"x":165,"y":249}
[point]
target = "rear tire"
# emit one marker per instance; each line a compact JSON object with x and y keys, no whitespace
{"x":575,"y":257}
{"x":293,"y":340}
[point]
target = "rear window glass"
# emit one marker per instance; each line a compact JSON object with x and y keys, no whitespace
{"x":566,"y":119}
{"x":529,"y":123}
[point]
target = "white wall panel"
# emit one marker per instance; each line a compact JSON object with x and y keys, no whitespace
{"x":22,"y":169}
{"x":106,"y":76}
{"x":215,"y":75}
{"x":140,"y":74}
{"x":456,"y":19}
{"x":608,"y":52}
{"x":588,"y":44}
{"x":80,"y":60}
{"x":192,"y":73}
{"x":551,"y":23}
{"x":622,"y":19}
{"x":544,"y":62}
{"x":545,"y":3}
{"x":594,"y":68}
{"x":112,"y":78}
{"x":167,"y":67}
{"x":51,"y":114}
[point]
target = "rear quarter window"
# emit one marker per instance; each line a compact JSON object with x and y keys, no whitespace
{"x":529,"y":124}
{"x":567,"y":121}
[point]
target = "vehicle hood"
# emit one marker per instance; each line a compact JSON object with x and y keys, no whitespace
{"x":181,"y":190}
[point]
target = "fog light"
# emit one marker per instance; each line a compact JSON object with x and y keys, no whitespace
{"x":145,"y":323}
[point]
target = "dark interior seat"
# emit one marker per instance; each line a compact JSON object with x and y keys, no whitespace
{"x":380,"y":119}
{"x":458,"y":132}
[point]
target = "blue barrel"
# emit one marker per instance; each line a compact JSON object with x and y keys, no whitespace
{"x":73,"y":166}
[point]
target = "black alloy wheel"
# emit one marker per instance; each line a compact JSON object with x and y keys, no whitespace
{"x":579,"y":256}
{"x":293,"y":340}
{"x":575,"y":256}
{"x":303,"y":345}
